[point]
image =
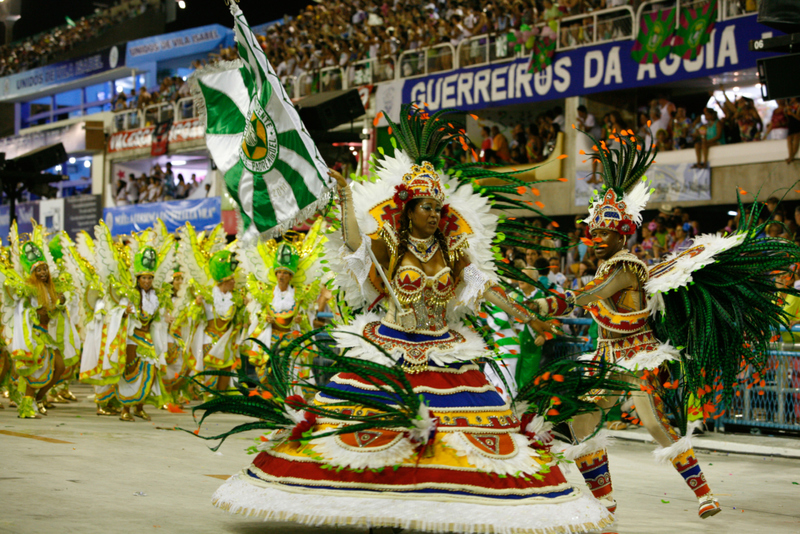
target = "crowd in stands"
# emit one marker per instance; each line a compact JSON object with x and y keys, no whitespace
{"x":530,"y":144}
{"x":41,"y":49}
{"x":170,"y":90}
{"x":671,"y":230}
{"x":159,"y":186}
{"x":339,"y":32}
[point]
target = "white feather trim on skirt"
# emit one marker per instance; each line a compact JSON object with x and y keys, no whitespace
{"x":583,"y":514}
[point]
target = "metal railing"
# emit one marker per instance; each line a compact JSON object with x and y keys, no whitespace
{"x":772,"y":401}
{"x":486,"y":48}
{"x":422,"y":61}
{"x":320,"y":81}
{"x":734,"y":9}
{"x":369,"y":71}
{"x":132,"y":119}
{"x":614,"y":24}
{"x":155,"y":113}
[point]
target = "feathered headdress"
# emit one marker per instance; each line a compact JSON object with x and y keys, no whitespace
{"x":625,"y":188}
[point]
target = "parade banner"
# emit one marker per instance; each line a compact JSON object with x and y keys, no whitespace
{"x":204,"y":214}
{"x":33,"y":81}
{"x":577,"y":72}
{"x":654,"y":41}
{"x":272,"y":167}
{"x":671,"y":183}
{"x":696,"y":24}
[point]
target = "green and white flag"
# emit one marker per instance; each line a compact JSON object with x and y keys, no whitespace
{"x":271,"y":165}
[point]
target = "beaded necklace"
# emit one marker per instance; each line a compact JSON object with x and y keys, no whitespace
{"x":423,"y":249}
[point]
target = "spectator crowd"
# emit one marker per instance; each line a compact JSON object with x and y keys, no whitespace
{"x":670,"y":230}
{"x":159,"y":186}
{"x":45,"y":47}
{"x":170,"y":90}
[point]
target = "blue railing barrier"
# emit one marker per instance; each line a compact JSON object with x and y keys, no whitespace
{"x":776,"y":404}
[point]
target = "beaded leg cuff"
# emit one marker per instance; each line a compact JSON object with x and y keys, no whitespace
{"x":686,"y":464}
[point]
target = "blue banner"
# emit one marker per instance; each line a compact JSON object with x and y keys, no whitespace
{"x":178,"y":44}
{"x":34,"y":80}
{"x":204,"y":214}
{"x":582,"y":71}
{"x":25,"y":211}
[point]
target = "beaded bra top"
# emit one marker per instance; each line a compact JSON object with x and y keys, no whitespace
{"x":427,"y":296}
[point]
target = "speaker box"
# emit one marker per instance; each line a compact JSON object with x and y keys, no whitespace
{"x":328,"y":110}
{"x":777,"y":76}
{"x":782,"y":15}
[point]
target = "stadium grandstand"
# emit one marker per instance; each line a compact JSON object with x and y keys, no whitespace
{"x":126,"y":115}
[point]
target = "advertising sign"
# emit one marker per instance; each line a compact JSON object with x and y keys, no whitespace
{"x":32,"y":81}
{"x":204,"y":214}
{"x":178,"y":44}
{"x":81,"y":212}
{"x":180,"y":131}
{"x":25,"y":212}
{"x":581,"y":71}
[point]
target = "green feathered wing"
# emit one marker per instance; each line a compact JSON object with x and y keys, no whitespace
{"x":719,"y":304}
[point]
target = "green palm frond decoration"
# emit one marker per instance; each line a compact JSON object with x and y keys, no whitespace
{"x":273,"y":402}
{"x":561,"y":388}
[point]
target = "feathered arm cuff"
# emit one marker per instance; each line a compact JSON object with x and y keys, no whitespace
{"x":358,"y":265}
{"x":473,"y":286}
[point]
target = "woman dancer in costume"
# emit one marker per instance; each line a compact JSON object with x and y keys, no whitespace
{"x":38,"y":313}
{"x":686,"y":289}
{"x":133,"y":355}
{"x":177,"y":322}
{"x":217,"y":302}
{"x":283,"y":284}
{"x":60,"y":392}
{"x":465,"y":464}
{"x":94,"y":318}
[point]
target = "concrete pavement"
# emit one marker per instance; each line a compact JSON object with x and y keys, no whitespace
{"x":76,"y":472}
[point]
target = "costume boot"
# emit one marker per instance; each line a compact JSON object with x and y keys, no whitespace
{"x":26,"y":409}
{"x":594,"y":468}
{"x":686,"y":464}
{"x":591,"y":458}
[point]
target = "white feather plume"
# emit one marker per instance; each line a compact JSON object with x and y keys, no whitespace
{"x":636,"y":200}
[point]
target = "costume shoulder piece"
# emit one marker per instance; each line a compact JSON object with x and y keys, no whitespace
{"x":625,"y":260}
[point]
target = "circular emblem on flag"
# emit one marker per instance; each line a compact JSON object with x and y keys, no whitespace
{"x":259,"y":148}
{"x":655,"y":37}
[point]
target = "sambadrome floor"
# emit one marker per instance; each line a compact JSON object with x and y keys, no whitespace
{"x":76,"y":472}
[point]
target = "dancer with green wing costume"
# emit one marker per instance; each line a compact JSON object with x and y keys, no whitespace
{"x":711,"y":308}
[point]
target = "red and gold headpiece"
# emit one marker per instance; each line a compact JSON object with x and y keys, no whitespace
{"x":612,"y":214}
{"x":421,"y":182}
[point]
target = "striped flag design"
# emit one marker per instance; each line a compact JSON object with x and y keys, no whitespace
{"x":272,"y":167}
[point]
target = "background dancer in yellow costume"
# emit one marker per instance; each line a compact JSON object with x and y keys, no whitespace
{"x":217,"y":304}
{"x":283,"y":284}
{"x":43,"y":339}
{"x":133,"y":343}
{"x":59,"y":243}
{"x":100,"y":373}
